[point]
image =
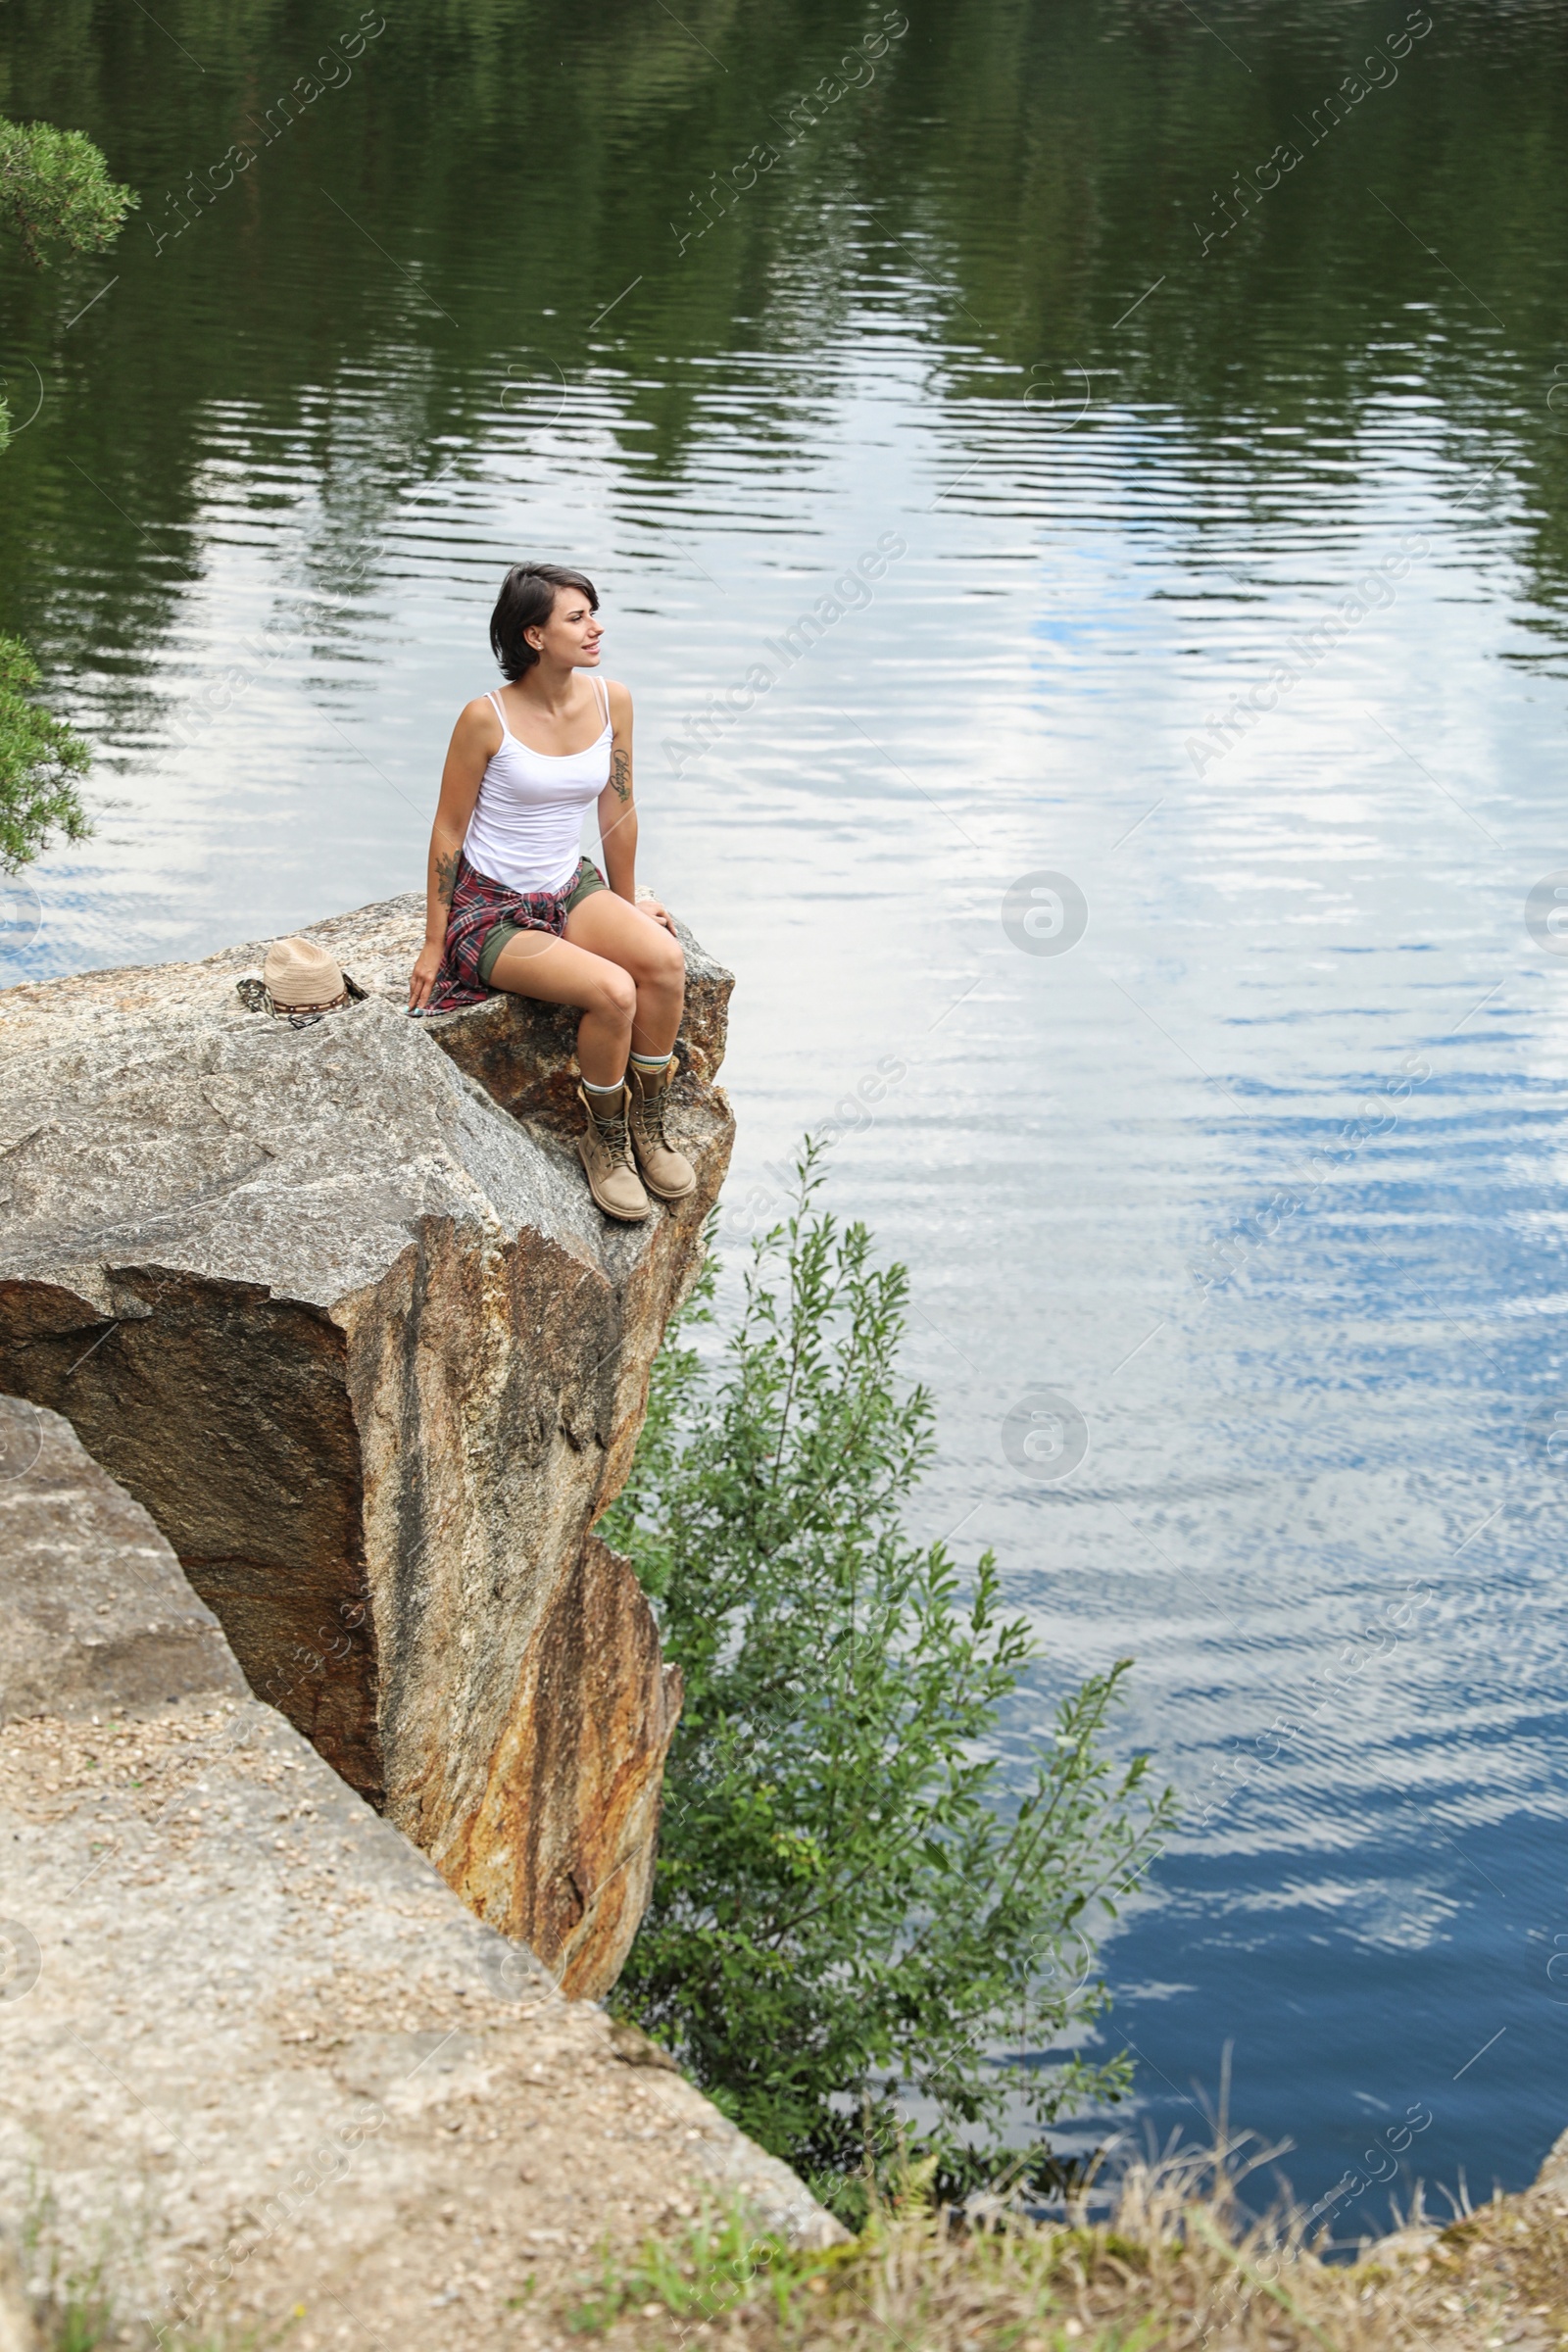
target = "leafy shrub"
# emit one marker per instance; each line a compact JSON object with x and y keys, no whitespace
{"x":55,"y":188}
{"x":39,"y":759}
{"x":848,"y":1905}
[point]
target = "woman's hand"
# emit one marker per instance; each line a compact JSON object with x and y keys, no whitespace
{"x":421,"y":980}
{"x":655,"y":912}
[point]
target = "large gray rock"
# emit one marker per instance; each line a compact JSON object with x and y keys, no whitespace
{"x":254,"y":2055}
{"x":90,"y":1617}
{"x":357,"y":1337}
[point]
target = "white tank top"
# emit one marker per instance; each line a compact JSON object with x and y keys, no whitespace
{"x":527,"y":827}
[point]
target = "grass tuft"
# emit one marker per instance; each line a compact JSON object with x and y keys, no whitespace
{"x":1178,"y":2266}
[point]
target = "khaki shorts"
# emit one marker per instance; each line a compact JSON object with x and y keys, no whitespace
{"x":588,"y":879}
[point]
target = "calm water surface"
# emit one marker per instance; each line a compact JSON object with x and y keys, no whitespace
{"x":1135,"y":359}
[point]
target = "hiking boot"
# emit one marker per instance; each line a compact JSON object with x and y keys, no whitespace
{"x":666,"y":1171}
{"x":607,"y":1161}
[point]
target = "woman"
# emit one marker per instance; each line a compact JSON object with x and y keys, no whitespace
{"x":513,"y":904}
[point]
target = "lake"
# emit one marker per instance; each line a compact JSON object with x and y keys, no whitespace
{"x":1134,"y":445}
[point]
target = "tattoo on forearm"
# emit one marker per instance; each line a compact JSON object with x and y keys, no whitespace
{"x":620,"y":776}
{"x":446,"y":877}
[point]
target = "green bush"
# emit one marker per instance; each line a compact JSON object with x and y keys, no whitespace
{"x":39,"y":759}
{"x":55,"y":188}
{"x":849,"y":1905}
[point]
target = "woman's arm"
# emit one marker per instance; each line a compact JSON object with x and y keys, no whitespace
{"x":617,"y":810}
{"x":618,"y":813}
{"x":476,"y":735}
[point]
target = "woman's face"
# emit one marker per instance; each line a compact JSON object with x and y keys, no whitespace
{"x":571,"y":634}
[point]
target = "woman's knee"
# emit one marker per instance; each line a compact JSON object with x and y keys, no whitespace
{"x":663,"y":963}
{"x":616,"y":997}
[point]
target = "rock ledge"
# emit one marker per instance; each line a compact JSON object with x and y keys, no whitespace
{"x":254,"y":2053}
{"x":335,"y":1307}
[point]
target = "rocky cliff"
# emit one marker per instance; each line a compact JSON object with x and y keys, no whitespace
{"x":261,"y":2075}
{"x":334,"y":1305}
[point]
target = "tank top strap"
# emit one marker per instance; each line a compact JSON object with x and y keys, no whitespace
{"x":494,"y":699}
{"x":603,"y":692}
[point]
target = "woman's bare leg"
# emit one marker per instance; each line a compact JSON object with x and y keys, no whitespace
{"x":652,"y":960}
{"x":611,"y":930}
{"x":554,"y":971}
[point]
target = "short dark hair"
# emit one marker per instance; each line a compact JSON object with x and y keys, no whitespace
{"x":526,"y":601}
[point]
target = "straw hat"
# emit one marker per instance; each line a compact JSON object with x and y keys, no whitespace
{"x":301,"y":977}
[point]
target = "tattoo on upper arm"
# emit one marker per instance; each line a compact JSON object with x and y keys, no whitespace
{"x":446,"y":877}
{"x":620,"y":776}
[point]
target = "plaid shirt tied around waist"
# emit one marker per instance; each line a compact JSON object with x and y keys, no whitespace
{"x":478,"y":904}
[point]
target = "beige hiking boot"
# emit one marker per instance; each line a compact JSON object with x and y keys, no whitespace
{"x":666,"y":1171}
{"x":607,"y":1161}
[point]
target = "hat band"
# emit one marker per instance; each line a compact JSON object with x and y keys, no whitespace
{"x":330,"y":1005}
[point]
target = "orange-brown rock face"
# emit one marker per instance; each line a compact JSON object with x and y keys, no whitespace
{"x":564,"y":1816}
{"x":336,"y":1305}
